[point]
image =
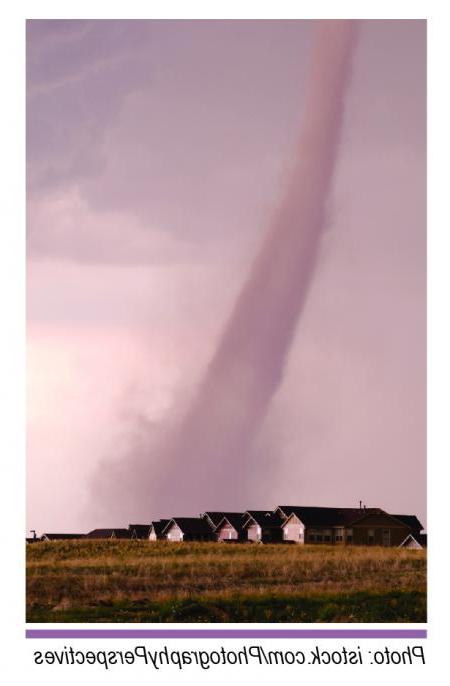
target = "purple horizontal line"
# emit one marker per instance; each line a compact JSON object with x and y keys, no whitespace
{"x":226,"y":633}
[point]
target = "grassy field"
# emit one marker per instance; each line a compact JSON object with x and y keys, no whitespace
{"x":138,"y":581}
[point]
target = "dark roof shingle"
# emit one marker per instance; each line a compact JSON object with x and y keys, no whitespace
{"x":409,"y":520}
{"x":159,"y":525}
{"x":61,"y":537}
{"x":329,"y":516}
{"x":139,"y":530}
{"x":191,"y":525}
{"x":264,"y":518}
{"x":236,"y":519}
{"x":216,"y":517}
{"x":109,"y":533}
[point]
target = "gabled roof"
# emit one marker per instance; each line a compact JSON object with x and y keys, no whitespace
{"x":420,"y":539}
{"x":236,"y":519}
{"x":61,"y":537}
{"x":264,"y":518}
{"x":158,"y":526}
{"x":139,"y":530}
{"x":109,"y":533}
{"x":216,"y":517}
{"x":316,"y":516}
{"x":409,"y":520}
{"x":285,"y":510}
{"x":190,"y":525}
{"x":329,"y":516}
{"x":352,"y":515}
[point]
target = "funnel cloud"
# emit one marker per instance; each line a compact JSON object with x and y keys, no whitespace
{"x":213,"y":446}
{"x":226,"y":267}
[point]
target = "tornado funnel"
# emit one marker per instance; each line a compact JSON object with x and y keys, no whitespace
{"x":209,"y":460}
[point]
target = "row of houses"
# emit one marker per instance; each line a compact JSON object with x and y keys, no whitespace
{"x":285,"y":524}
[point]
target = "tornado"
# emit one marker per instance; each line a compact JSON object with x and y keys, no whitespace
{"x":209,"y":461}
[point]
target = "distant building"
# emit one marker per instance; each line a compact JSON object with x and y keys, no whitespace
{"x":358,"y":526}
{"x":231,"y":527}
{"x":263,"y":526}
{"x":411,"y":522}
{"x":214,"y":518}
{"x":188,"y":529}
{"x":156,"y":530}
{"x":139,"y":531}
{"x":367,"y":526}
{"x":109,"y":533}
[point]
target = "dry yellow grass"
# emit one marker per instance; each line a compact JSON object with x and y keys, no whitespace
{"x":82,"y":574}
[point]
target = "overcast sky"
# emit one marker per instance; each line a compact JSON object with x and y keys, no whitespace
{"x":157,"y":151}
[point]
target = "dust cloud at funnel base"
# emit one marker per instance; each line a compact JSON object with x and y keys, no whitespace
{"x":207,"y":458}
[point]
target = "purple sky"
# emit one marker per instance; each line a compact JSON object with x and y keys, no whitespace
{"x":157,"y":152}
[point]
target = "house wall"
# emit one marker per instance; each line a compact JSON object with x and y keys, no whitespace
{"x":379,"y":530}
{"x":174,"y":534}
{"x":271,"y":535}
{"x":200,"y":537}
{"x":382,"y":532}
{"x":339,"y":535}
{"x":282,"y":514}
{"x":227,"y":533}
{"x":319,"y":534}
{"x":294,"y":530}
{"x":152,"y":536}
{"x":254,"y":532}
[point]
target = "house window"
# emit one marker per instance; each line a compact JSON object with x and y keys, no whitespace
{"x":386,"y":537}
{"x":371,"y":536}
{"x":327,"y":538}
{"x":319,"y":538}
{"x":339,"y":534}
